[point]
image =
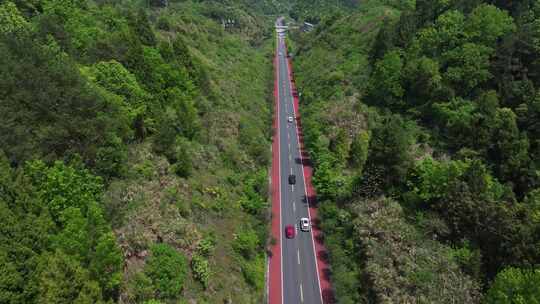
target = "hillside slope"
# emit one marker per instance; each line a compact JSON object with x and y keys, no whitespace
{"x":134,"y":160}
{"x":421,"y":120}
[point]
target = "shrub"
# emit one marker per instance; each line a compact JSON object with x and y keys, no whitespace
{"x":246,"y":243}
{"x":167,"y":269}
{"x":201,"y":269}
{"x":253,"y":272}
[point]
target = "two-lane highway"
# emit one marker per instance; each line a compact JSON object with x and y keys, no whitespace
{"x":300,"y":280}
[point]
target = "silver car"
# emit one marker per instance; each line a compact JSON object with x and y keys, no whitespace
{"x":304,"y":224}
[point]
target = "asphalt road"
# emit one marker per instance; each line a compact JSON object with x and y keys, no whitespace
{"x":299,"y":269}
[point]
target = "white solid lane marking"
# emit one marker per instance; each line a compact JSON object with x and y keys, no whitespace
{"x":298,"y":255}
{"x":294,"y":206}
{"x":305,"y":188}
{"x":301,"y":294}
{"x":279,"y":183}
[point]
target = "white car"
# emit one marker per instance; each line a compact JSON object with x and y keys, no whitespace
{"x":290,"y":119}
{"x":304,"y":224}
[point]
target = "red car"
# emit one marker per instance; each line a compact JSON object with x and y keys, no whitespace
{"x":289,"y":231}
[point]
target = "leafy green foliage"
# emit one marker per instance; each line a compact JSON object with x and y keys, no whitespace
{"x":433,"y":178}
{"x":62,"y":187}
{"x":11,"y":19}
{"x":61,"y":278}
{"x":359,"y":150}
{"x":514,"y":285}
{"x":58,"y":229}
{"x":391,"y":146}
{"x":246,"y":243}
{"x":386,"y":80}
{"x":107,"y":89}
{"x":410,"y":261}
{"x":167,"y":269}
{"x":453,"y":137}
{"x":45,"y":133}
{"x":201,"y":269}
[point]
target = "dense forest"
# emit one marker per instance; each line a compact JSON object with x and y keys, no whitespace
{"x":422,"y":120}
{"x":133,"y":161}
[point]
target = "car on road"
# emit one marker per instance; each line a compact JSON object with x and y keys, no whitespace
{"x":292,"y":179}
{"x":290,"y":231}
{"x":280,"y":54}
{"x":304,"y":224}
{"x":290,"y":119}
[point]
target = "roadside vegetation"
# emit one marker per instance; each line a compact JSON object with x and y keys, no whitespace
{"x":134,"y":148}
{"x":421,"y":119}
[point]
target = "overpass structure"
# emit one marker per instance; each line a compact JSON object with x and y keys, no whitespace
{"x":281,"y":28}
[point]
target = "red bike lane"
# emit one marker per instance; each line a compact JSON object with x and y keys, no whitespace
{"x":275,"y":279}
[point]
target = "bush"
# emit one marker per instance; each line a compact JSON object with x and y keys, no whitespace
{"x":167,"y":269}
{"x":140,"y":288}
{"x":246,"y":243}
{"x":201,"y":269}
{"x":253,"y":272}
{"x":183,"y":164}
{"x":359,"y":151}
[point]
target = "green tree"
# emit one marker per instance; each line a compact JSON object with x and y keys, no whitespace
{"x":391,"y":144}
{"x":106,"y":262}
{"x":74,"y":238}
{"x":450,"y":30}
{"x":61,"y":279}
{"x":62,"y":186}
{"x":328,"y":181}
{"x":487,"y":23}
{"x":142,"y":28}
{"x":11,"y":19}
{"x":514,"y":285}
{"x":359,"y":150}
{"x":422,"y":81}
{"x":11,"y":280}
{"x":432,"y":179}
{"x":468,"y":66}
{"x":385,"y":40}
{"x":385,"y":84}
{"x":510,"y":148}
{"x":114,"y":77}
{"x":45,"y":120}
{"x":486,"y":111}
{"x":456,"y":119}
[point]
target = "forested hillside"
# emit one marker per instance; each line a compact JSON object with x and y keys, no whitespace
{"x":133,"y":160}
{"x":423,"y":123}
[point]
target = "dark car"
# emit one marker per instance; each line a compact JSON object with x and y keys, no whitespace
{"x":292,"y":179}
{"x":289,"y":231}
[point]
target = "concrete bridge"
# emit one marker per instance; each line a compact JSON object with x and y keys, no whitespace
{"x":281,"y":28}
